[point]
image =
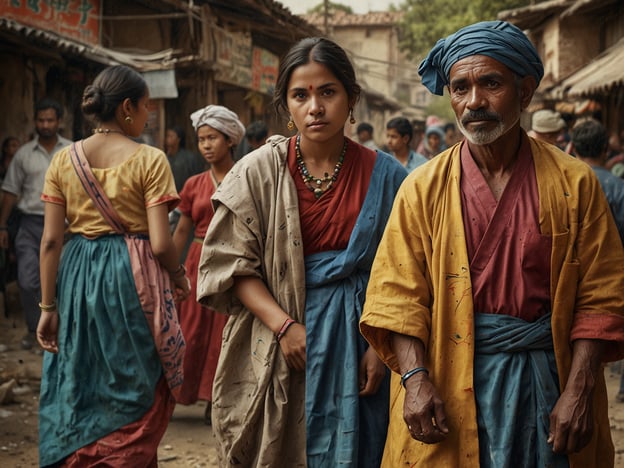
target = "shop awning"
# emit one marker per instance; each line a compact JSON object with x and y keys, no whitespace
{"x":597,"y":77}
{"x":162,"y":60}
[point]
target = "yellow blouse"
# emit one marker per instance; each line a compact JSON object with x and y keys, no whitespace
{"x":142,"y":181}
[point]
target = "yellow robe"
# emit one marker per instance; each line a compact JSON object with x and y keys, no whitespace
{"x":420,"y":286}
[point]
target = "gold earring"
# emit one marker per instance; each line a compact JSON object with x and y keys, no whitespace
{"x":291,"y":125}
{"x":351,"y":119}
{"x":128,"y":119}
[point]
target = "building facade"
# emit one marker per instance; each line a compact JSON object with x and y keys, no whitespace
{"x":191,"y":53}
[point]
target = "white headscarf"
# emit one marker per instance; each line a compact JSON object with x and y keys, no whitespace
{"x":220,"y":118}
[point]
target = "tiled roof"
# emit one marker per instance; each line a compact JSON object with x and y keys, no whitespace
{"x":341,"y":18}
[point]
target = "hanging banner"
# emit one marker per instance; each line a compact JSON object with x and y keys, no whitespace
{"x":75,"y":19}
{"x":264,"y":66}
{"x":233,"y":57}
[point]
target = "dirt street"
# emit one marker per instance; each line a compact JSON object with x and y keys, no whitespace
{"x":188,"y":441}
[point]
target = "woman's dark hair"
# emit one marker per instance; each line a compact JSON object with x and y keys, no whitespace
{"x":319,"y":50}
{"x":178,"y":130}
{"x":109,"y":89}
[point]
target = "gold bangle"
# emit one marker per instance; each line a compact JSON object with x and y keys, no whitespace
{"x":48,"y":307}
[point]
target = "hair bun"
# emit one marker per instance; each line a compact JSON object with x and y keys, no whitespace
{"x":92,"y":100}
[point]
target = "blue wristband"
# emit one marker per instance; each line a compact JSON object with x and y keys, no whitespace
{"x":411,"y":373}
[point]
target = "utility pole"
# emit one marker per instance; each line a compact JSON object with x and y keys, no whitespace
{"x":326,"y":16}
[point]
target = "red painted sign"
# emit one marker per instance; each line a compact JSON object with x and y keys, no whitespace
{"x":74,"y":19}
{"x":264,"y":67}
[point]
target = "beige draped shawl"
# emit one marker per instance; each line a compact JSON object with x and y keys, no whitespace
{"x":258,"y":407}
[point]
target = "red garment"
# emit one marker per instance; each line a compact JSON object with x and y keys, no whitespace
{"x":202,"y":327}
{"x":509,"y":258}
{"x":134,"y":444}
{"x":327,"y":222}
{"x":195,"y":201}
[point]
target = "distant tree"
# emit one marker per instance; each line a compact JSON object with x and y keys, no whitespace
{"x":331,"y":7}
{"x":426,"y":21}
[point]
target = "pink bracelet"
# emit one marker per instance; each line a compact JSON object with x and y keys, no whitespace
{"x":282,"y":331}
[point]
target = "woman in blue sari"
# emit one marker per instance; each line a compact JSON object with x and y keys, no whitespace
{"x":287,"y":256}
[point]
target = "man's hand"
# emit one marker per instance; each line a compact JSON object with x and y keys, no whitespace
{"x":571,"y":422}
{"x":423,"y":410}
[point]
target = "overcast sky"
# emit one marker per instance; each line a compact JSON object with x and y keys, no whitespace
{"x":359,"y":6}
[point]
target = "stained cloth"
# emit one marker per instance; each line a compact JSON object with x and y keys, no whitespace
{"x":202,"y":327}
{"x":259,"y":404}
{"x":108,"y":366}
{"x":503,"y":240}
{"x":422,"y":267}
{"x":499,"y":40}
{"x":220,"y":118}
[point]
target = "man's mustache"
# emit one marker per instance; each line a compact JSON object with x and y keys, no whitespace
{"x":475,"y":116}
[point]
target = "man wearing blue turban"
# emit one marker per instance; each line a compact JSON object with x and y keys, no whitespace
{"x":495,"y":294}
{"x":499,"y":40}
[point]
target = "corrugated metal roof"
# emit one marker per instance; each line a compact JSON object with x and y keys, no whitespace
{"x":531,"y":16}
{"x":597,"y":77}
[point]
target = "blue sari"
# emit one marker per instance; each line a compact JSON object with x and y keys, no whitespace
{"x":343,"y":428}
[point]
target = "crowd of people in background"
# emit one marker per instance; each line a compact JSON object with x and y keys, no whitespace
{"x":233,"y":266}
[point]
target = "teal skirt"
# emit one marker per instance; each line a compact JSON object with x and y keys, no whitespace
{"x":105,"y":373}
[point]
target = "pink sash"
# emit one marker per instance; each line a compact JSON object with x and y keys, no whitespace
{"x":152,"y":281}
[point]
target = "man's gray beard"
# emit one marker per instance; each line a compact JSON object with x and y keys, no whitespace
{"x":482,"y":137}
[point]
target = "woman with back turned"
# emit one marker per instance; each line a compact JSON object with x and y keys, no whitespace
{"x":108,"y":319}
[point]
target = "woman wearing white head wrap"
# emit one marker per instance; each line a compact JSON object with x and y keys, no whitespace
{"x":220,"y":118}
{"x":218,"y":131}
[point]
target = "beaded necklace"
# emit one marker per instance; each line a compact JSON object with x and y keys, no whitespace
{"x":314,"y":184}
{"x":106,"y":131}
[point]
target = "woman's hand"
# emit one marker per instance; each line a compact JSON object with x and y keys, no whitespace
{"x":47,"y":331}
{"x":293,"y":346}
{"x":181,"y":287}
{"x":371,"y":373}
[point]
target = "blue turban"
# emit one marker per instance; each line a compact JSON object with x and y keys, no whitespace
{"x":499,"y":40}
